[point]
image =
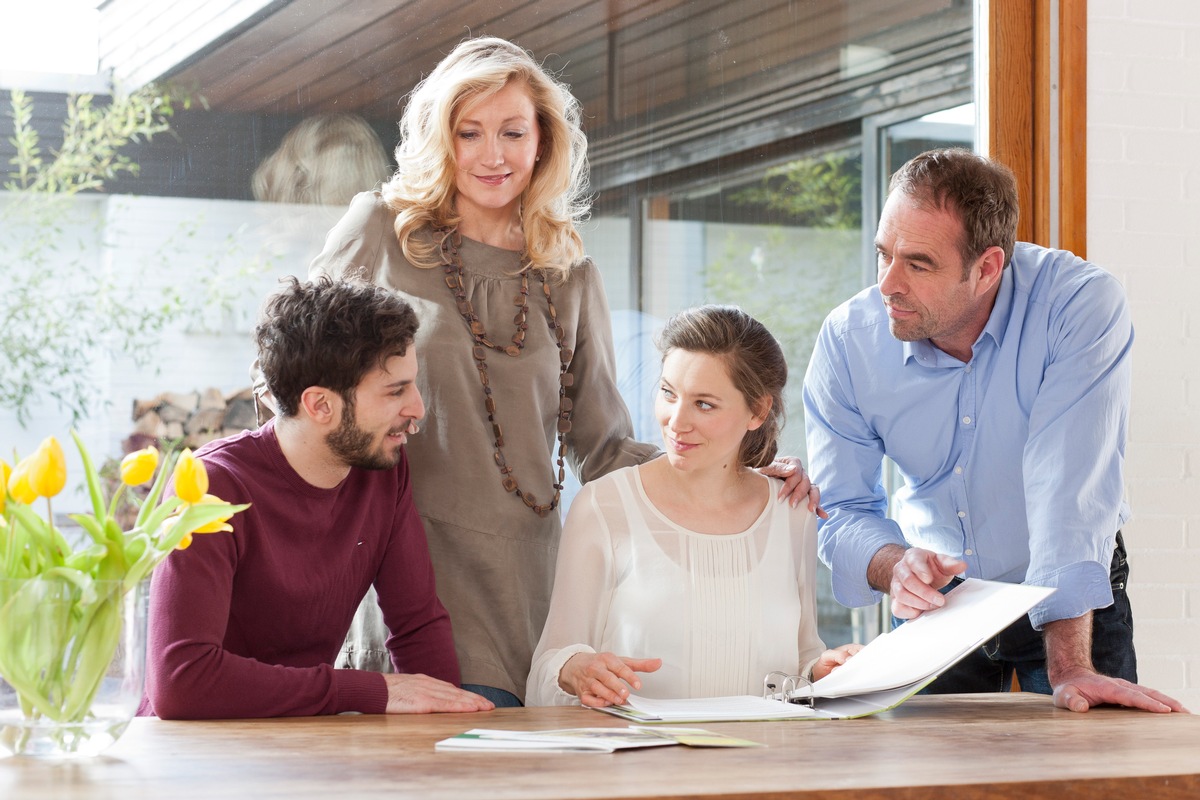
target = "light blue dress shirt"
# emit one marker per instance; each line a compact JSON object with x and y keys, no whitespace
{"x":1012,"y":461}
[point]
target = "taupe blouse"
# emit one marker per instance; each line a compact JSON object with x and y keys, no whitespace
{"x":493,"y":557}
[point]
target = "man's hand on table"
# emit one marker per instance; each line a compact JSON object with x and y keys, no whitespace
{"x":1086,"y":689}
{"x":1077,"y":686}
{"x":421,"y":694}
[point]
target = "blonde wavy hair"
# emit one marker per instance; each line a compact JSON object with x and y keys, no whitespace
{"x":422,"y":190}
{"x":326,"y":159}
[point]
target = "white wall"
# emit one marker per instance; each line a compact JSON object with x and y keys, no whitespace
{"x":1144,"y":226}
{"x":208,"y":249}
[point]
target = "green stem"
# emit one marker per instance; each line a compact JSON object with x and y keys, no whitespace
{"x":16,"y":548}
{"x":50,"y":521}
{"x":95,"y":645}
{"x":61,"y":649}
{"x":112,"y":507}
{"x":27,"y":655}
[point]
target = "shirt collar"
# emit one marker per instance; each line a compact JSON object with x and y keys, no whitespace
{"x":925,"y":353}
{"x":998,"y":320}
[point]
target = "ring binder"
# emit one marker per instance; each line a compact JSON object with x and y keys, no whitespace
{"x":885,"y":673}
{"x":787,"y":688}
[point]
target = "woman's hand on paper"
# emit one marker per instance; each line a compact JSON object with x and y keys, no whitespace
{"x":603,"y":679}
{"x":832,"y":659}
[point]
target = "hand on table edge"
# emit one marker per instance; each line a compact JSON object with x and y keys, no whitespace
{"x":1076,"y":684}
{"x":1085,"y":689}
{"x":421,"y":694}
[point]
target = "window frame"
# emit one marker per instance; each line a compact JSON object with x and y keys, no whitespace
{"x":1035,"y":97}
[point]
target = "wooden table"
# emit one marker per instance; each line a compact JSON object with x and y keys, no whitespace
{"x":1004,"y":745}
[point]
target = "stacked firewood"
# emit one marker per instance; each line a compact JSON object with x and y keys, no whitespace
{"x":174,"y":420}
{"x":190,"y":419}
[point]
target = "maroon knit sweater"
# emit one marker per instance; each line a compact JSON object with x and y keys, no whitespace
{"x":248,"y":624}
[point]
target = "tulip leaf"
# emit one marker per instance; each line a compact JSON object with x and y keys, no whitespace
{"x":93,"y":480}
{"x":158,"y":515}
{"x":156,"y":489}
{"x":196,"y":516}
{"x":91,"y":525}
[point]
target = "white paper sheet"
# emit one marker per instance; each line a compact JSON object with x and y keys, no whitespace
{"x":975,"y":611}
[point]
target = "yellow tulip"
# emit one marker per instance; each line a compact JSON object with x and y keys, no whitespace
{"x":138,"y":467}
{"x":219,"y":525}
{"x":47,"y":468}
{"x":18,"y":483}
{"x":191,"y":479}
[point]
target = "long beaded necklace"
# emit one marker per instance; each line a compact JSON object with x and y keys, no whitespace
{"x":452,"y":265}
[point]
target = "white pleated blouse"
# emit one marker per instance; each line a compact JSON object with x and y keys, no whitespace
{"x":720,"y":610}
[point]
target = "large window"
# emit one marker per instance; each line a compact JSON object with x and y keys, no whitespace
{"x":738,"y":152}
{"x":761,"y":187}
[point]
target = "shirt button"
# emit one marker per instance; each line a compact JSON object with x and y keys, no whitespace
{"x":966,"y":420}
{"x":969,"y":368}
{"x":968,"y":552}
{"x":962,"y":514}
{"x":958,"y":470}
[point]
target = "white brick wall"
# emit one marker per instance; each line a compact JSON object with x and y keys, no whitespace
{"x":1144,"y":226}
{"x":237,"y":249}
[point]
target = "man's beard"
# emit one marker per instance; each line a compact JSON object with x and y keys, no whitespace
{"x":353,"y":445}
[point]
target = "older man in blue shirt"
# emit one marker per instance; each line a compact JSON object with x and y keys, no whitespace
{"x":995,"y":375}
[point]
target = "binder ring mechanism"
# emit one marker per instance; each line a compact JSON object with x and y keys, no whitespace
{"x":783,"y":687}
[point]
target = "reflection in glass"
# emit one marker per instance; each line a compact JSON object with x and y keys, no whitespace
{"x":737,"y":150}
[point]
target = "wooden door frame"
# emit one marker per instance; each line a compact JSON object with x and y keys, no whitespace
{"x":1022,"y":64}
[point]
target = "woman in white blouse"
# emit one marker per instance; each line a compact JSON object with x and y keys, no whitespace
{"x":683,"y":564}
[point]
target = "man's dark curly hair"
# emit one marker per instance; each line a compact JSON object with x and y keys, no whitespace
{"x":329,"y":333}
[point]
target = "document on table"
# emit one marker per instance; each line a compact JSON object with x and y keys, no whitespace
{"x":885,"y":673}
{"x":586,"y":740}
{"x":738,"y":708}
{"x":752,"y":708}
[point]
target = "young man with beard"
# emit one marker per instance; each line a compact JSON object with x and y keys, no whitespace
{"x":248,"y":623}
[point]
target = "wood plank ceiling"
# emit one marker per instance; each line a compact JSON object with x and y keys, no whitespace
{"x":315,"y":56}
{"x":622,"y":58}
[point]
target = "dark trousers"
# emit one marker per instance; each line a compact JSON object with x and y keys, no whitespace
{"x":1019,"y":649}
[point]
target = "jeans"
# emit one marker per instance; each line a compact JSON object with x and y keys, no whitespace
{"x":1019,"y":650}
{"x":499,"y":697}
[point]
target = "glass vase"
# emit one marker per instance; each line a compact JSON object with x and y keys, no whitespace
{"x":72,"y":663}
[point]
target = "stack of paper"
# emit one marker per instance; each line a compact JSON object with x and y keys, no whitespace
{"x":586,"y":740}
{"x":707,"y":709}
